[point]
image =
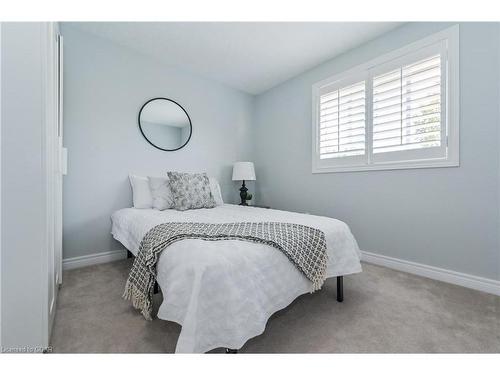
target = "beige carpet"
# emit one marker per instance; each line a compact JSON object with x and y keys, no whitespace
{"x":383,"y":311}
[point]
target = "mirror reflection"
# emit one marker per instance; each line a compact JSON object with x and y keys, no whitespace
{"x":165,"y":124}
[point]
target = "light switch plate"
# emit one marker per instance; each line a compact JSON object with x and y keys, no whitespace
{"x":64,"y":161}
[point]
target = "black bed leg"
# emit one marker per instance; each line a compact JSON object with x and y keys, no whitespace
{"x":340,"y":288}
{"x":231,"y":351}
{"x":129,"y":254}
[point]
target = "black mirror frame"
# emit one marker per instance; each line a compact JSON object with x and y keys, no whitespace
{"x":151,"y":143}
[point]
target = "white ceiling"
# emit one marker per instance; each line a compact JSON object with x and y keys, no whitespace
{"x":252,"y":57}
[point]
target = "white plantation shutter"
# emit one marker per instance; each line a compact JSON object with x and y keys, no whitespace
{"x":407,"y":107}
{"x":400,"y":110}
{"x":342,"y":122}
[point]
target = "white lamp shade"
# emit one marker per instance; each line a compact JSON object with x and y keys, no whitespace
{"x":243,"y":170}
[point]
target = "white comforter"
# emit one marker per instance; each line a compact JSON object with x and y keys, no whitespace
{"x":223,"y":292}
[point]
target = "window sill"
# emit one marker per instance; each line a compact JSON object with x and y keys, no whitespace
{"x":388,"y":166}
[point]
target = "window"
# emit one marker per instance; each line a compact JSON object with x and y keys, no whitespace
{"x":398,"y":111}
{"x":342,"y":122}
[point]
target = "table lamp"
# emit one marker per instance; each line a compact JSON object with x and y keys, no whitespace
{"x":243,"y":171}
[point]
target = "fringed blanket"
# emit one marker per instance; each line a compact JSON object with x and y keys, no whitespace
{"x":304,"y":246}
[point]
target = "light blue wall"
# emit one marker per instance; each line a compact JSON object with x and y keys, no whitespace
{"x":444,"y":217}
{"x":105,"y":86}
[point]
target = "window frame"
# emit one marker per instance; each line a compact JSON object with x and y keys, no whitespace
{"x":447,"y":43}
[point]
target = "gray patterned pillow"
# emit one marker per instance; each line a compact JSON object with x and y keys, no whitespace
{"x":191,"y":190}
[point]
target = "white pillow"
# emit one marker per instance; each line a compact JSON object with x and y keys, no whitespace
{"x":216,"y":192}
{"x":161,"y":193}
{"x":141,"y":193}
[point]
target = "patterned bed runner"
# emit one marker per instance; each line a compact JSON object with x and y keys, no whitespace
{"x":304,"y":246}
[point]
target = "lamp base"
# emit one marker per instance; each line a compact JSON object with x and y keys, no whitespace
{"x":243,"y":194}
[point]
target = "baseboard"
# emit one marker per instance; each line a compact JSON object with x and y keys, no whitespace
{"x":90,"y":260}
{"x":441,"y":274}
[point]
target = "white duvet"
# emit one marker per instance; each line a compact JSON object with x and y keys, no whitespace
{"x":223,"y":292}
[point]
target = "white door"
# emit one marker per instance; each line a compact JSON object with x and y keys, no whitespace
{"x":54,"y":167}
{"x":61,"y":156}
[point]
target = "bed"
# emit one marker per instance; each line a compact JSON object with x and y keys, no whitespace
{"x":223,"y":292}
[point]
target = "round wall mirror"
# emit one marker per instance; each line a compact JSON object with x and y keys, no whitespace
{"x":165,"y":124}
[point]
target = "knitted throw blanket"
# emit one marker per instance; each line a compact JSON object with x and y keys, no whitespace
{"x":304,"y":246}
